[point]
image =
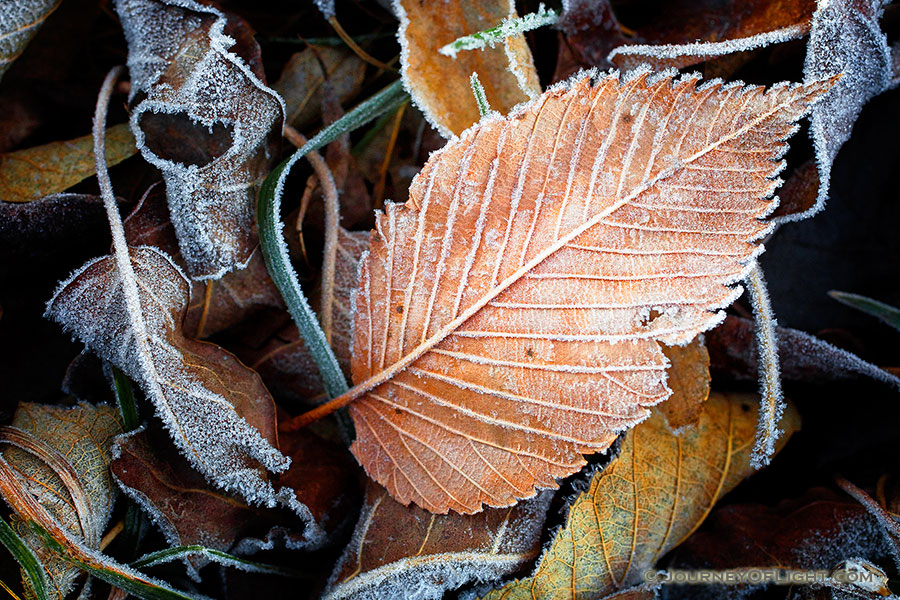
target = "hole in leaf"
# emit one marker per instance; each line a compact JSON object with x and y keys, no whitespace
{"x":179,"y":138}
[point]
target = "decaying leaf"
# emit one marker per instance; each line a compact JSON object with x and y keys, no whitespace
{"x":60,"y":455}
{"x":845,"y":39}
{"x":804,"y":357}
{"x":819,"y":530}
{"x":284,"y":361}
{"x":302,"y":81}
{"x":217,"y":410}
{"x":203,"y":116}
{"x":508,"y":316}
{"x":37,"y":172}
{"x":19,"y":21}
{"x":408,"y":553}
{"x":215,"y":304}
{"x":438,"y":84}
{"x":650,"y":498}
{"x":677,"y":38}
{"x":188,"y":511}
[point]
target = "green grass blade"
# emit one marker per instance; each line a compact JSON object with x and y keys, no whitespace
{"x":30,"y":564}
{"x":274,"y":248}
{"x":887,"y":313}
{"x":223,"y":558}
{"x":125,"y":400}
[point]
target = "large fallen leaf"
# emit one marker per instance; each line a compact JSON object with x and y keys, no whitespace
{"x":217,"y":410}
{"x":650,"y":498}
{"x":203,"y":117}
{"x":438,"y":84}
{"x":19,"y":21}
{"x":408,"y":553}
{"x":61,"y":455}
{"x":37,"y":172}
{"x":508,"y":316}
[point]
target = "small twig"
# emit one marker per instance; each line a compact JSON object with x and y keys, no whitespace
{"x":111,"y":535}
{"x":311,"y":183}
{"x":771,"y":402}
{"x":355,"y":47}
{"x":389,"y":151}
{"x":332,"y":221}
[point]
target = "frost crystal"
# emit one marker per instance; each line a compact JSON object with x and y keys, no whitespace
{"x":181,"y":66}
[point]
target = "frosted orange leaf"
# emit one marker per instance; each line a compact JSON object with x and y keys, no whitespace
{"x":509,"y":316}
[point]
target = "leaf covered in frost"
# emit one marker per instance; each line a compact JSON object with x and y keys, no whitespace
{"x":439,"y":84}
{"x":61,"y":455}
{"x":405,"y":552}
{"x":509,"y":315}
{"x":19,"y":21}
{"x":34,"y":173}
{"x":204,"y":117}
{"x":218,"y":411}
{"x":217,"y":304}
{"x":845,"y":39}
{"x":651,"y":497}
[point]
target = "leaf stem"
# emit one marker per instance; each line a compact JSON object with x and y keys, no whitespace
{"x":274,"y":248}
{"x":772,"y":401}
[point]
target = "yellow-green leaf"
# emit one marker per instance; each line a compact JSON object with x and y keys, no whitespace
{"x":33,"y":173}
{"x":649,"y":499}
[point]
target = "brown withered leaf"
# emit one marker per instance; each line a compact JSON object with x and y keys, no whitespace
{"x":676,"y":37}
{"x":61,"y":456}
{"x":19,"y":21}
{"x":302,"y":81}
{"x":803,"y":357}
{"x":688,"y":377}
{"x":819,"y":530}
{"x":34,"y":173}
{"x":215,"y":305}
{"x":218,"y":411}
{"x":509,"y":315}
{"x":284,"y":361}
{"x":650,"y":498}
{"x":204,"y":117}
{"x":438,"y":84}
{"x":189,"y":511}
{"x":403,"y":552}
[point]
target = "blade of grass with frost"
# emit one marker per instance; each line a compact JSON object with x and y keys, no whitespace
{"x":272,"y":241}
{"x":117,"y":575}
{"x":887,"y":313}
{"x":509,"y":27}
{"x":223,"y":558}
{"x":484,"y":107}
{"x":30,"y":564}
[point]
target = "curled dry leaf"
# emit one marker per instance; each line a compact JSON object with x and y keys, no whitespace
{"x":438,"y":84}
{"x":845,"y":39}
{"x":60,"y":456}
{"x":203,"y":117}
{"x":19,"y":21}
{"x":408,"y":553}
{"x":650,"y":498}
{"x":34,"y":173}
{"x":218,"y":411}
{"x":509,"y":315}
{"x":215,"y":305}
